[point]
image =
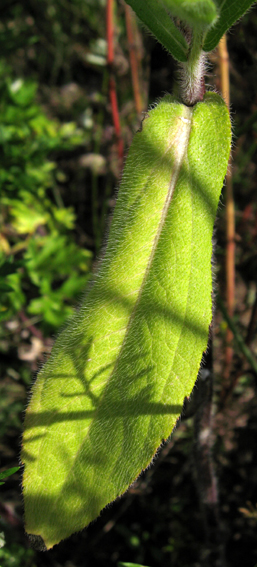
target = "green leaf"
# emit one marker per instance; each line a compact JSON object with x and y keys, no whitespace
{"x":229,"y":12}
{"x":22,"y":93}
{"x":5,"y":287}
{"x":117,"y":377}
{"x":197,"y":13}
{"x":65,"y":216}
{"x":26,"y":220}
{"x":155,"y":17}
{"x":16,"y":296}
{"x":121,"y":564}
{"x":8,"y":472}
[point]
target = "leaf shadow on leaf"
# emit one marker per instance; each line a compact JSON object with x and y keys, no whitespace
{"x":79,"y":359}
{"x":122,"y":416}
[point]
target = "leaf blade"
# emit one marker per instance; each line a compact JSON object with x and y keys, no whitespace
{"x":229,"y":12}
{"x":8,"y":472}
{"x":133,"y":351}
{"x":197,"y":13}
{"x":153,"y":14}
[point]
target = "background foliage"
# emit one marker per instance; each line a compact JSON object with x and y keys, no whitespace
{"x":59,"y":170}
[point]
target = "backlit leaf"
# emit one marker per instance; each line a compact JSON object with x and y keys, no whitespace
{"x":115,"y":383}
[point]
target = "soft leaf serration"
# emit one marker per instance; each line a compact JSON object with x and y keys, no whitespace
{"x":117,"y":377}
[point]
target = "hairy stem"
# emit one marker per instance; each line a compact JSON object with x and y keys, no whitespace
{"x":192,"y":87}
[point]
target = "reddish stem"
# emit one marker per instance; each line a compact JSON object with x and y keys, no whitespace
{"x":112,"y":84}
{"x":115,"y":114}
{"x":130,"y":26}
{"x":34,"y":331}
{"x":230,"y":217}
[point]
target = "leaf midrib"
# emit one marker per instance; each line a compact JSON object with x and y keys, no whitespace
{"x":188,"y":114}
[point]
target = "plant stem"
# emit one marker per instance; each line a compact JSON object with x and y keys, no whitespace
{"x":206,"y":481}
{"x":230,"y":217}
{"x":134,"y":57}
{"x":192,"y":87}
{"x":112,"y":84}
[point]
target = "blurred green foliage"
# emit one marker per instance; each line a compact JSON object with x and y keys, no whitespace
{"x":121,"y":564}
{"x":51,"y":269}
{"x":61,"y":45}
{"x":15,"y":555}
{"x":6,"y":473}
{"x":52,"y":36}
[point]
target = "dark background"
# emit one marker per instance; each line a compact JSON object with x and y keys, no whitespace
{"x":55,"y":199}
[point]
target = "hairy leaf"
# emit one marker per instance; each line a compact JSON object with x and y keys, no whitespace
{"x":229,"y":12}
{"x":197,"y":13}
{"x":117,"y":377}
{"x":155,"y":17}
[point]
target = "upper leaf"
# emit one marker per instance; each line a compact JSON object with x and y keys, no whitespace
{"x":114,"y":386}
{"x":155,"y":17}
{"x":197,"y":13}
{"x":229,"y":12}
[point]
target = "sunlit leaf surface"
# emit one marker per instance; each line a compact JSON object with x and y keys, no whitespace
{"x":114,"y":386}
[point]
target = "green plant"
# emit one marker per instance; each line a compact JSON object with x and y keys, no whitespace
{"x":114,"y":386}
{"x":39,"y":27}
{"x":7,"y":473}
{"x":121,"y":564}
{"x":52,"y":269}
{"x":13,"y":554}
